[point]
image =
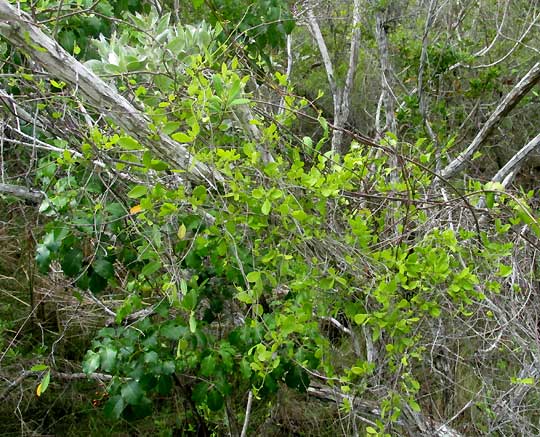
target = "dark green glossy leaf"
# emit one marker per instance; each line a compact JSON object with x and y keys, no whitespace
{"x":164,"y":385}
{"x":71,"y":262}
{"x":199,"y":392}
{"x":91,"y":362}
{"x":132,"y":393}
{"x":43,"y":258}
{"x":97,"y":283}
{"x":208,"y":364}
{"x":113,"y":407}
{"x":108,"y":358}
{"x":150,"y":268}
{"x":297,"y":378}
{"x":172,"y":332}
{"x":214,"y":400}
{"x":103,"y":268}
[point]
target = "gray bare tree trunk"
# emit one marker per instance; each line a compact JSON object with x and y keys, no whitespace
{"x":341,"y":96}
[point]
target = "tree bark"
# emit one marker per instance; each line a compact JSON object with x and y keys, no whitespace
{"x":19,"y":29}
{"x":505,"y":106}
{"x":506,"y":174}
{"x":341,"y":96}
{"x":22,"y":192}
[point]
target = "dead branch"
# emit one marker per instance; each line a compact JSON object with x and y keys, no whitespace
{"x":506,"y":174}
{"x":22,"y":192}
{"x":20,"y":30}
{"x":505,"y":106}
{"x":58,"y":375}
{"x":415,"y":423}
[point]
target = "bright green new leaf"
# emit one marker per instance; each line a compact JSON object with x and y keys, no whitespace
{"x":266,"y":207}
{"x":182,"y":137}
{"x":137,"y":191}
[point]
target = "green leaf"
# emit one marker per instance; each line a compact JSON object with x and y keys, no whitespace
{"x":208,"y":365}
{"x":132,"y":393}
{"x":192,"y":322}
{"x":44,"y":384}
{"x":414,"y":405}
{"x":266,"y":207}
{"x":182,"y":137}
{"x":108,"y":358}
{"x":172,"y":332}
{"x":164,"y":385}
{"x":523,"y":381}
{"x":504,"y":271}
{"x":158,"y":165}
{"x":114,"y":407}
{"x":360,"y":319}
{"x":91,"y":362}
{"x":214,"y":400}
{"x":258,"y":193}
{"x":97,"y":283}
{"x":297,"y":378}
{"x":71,"y":262}
{"x":151,"y":357}
{"x":189,"y":302}
{"x":129,"y":143}
{"x":253,"y":276}
{"x":235,"y":88}
{"x":199,"y":392}
{"x":103,"y":268}
{"x":199,"y":193}
{"x":181,"y":231}
{"x":43,"y":258}
{"x":39,"y":367}
{"x":245,"y":297}
{"x":150,"y":268}
{"x":239,"y":102}
{"x":137,"y":191}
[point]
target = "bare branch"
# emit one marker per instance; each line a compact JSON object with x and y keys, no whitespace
{"x":23,"y":192}
{"x":18,"y":27}
{"x":514,"y":164}
{"x":423,"y":59}
{"x":321,"y":44}
{"x":414,"y":423}
{"x":59,"y":375}
{"x":505,"y":106}
{"x":387,"y":95}
{"x":341,"y":97}
{"x":248,"y":413}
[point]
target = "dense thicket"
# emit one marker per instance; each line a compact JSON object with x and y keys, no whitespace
{"x":269,"y":218}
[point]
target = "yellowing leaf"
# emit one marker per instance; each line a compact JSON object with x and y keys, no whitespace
{"x":181,"y":231}
{"x":42,"y":386}
{"x":136,"y":209}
